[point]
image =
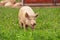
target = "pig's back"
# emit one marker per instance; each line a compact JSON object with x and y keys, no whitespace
{"x":27,"y":9}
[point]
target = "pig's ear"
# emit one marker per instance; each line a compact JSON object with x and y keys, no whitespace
{"x":26,"y":15}
{"x":36,"y":15}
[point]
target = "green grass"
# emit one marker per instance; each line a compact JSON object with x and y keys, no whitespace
{"x":47,"y":28}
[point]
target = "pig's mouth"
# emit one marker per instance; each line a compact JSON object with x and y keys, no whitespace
{"x":33,"y":25}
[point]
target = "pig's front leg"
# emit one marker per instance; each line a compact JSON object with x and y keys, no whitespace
{"x":21,"y":24}
{"x":24,"y":26}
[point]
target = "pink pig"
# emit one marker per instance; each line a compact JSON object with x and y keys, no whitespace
{"x":27,"y":17}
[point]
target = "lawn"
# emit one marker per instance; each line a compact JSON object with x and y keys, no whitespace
{"x":47,"y":28}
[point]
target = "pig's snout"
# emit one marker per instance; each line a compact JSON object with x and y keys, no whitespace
{"x":33,"y":23}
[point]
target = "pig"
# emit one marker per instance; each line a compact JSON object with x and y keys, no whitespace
{"x":7,"y":2}
{"x":16,"y":5}
{"x":27,"y":17}
{"x":2,"y":3}
{"x":12,"y":1}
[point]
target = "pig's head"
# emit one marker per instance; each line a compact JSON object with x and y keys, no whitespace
{"x":30,"y":20}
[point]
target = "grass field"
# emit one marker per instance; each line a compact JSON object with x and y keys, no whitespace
{"x":47,"y":28}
